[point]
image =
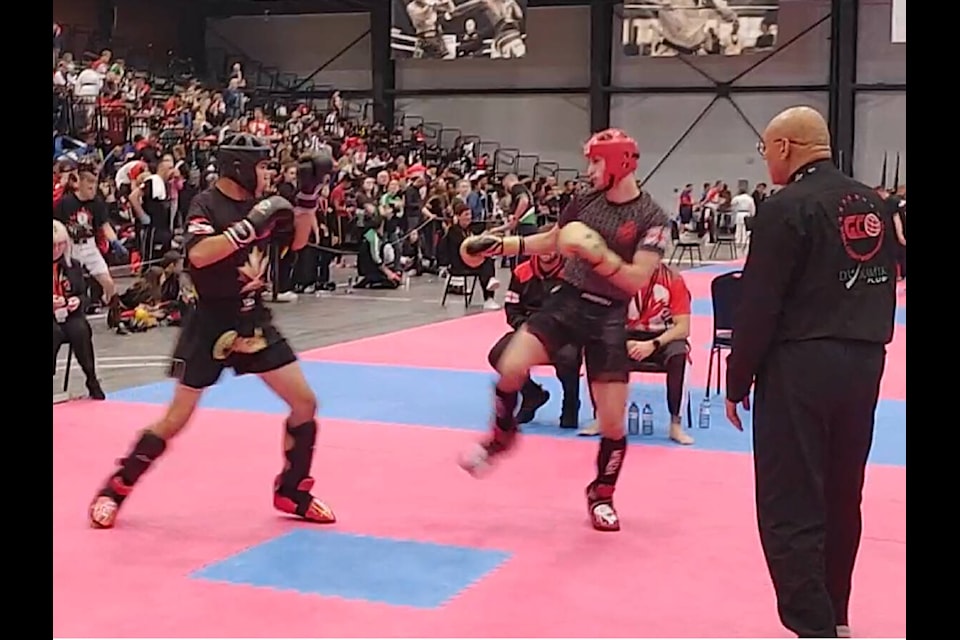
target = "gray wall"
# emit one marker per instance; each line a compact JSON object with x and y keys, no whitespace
{"x":881,"y":118}
{"x":722,"y":146}
{"x":300,"y":44}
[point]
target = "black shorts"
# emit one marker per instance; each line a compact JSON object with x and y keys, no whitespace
{"x":571,"y":316}
{"x":666,"y":351}
{"x":199,"y":358}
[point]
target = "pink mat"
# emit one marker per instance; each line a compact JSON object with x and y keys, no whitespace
{"x":463,"y":344}
{"x":687,"y":564}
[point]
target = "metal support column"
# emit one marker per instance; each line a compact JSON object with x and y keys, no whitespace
{"x":383,"y":66}
{"x":601,"y":63}
{"x":106,"y":20}
{"x":843,"y":80}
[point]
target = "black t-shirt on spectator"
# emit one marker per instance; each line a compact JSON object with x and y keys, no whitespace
{"x":81,"y":218}
{"x":413,"y":203}
{"x":156,"y":202}
{"x":518,"y":191}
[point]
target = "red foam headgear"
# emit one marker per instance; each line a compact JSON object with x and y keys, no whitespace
{"x":618,"y":150}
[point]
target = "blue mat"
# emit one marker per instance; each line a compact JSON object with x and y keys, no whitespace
{"x":462,"y":400}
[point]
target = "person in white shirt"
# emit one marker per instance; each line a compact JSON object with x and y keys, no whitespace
{"x":89,"y":83}
{"x":743,"y":207}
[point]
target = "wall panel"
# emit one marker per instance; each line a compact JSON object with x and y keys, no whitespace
{"x":300,"y":44}
{"x":806,"y":61}
{"x":881,"y":127}
{"x":721,"y":147}
{"x":558,"y":53}
{"x":878,"y":58}
{"x":553,"y":127}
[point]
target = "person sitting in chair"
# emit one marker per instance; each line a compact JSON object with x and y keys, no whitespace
{"x":374,"y":256}
{"x":531,"y":283}
{"x":455,"y":235}
{"x":69,"y":323}
{"x":658,"y":325}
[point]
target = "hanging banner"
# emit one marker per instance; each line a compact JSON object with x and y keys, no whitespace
{"x":899,"y":21}
{"x":664,"y":28}
{"x":451,"y":29}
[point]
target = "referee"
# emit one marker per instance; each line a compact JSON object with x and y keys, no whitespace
{"x":817,"y":309}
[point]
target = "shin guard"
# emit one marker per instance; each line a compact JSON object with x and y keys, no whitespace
{"x":505,"y":408}
{"x":144,"y":453}
{"x":293,"y":485}
{"x":610,"y":461}
{"x":105,"y":506}
{"x":603,"y":516}
{"x":298,"y":444}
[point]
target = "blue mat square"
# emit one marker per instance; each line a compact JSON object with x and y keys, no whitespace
{"x":356,"y":567}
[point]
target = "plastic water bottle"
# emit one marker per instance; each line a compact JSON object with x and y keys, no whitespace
{"x":633,"y":419}
{"x":647,"y":421}
{"x":704,"y":417}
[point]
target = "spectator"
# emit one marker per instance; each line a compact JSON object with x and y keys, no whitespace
{"x":456,"y":234}
{"x":69,"y":324}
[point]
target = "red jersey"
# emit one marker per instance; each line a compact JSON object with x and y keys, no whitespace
{"x":655,"y":306}
{"x":260,"y":128}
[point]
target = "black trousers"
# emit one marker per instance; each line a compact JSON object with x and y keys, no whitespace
{"x":76,"y":332}
{"x":312,"y":267}
{"x":812,"y":431}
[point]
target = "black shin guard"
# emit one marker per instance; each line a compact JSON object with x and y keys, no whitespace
{"x":506,"y":407}
{"x":298,"y":452}
{"x":144,"y":453}
{"x":609,"y":463}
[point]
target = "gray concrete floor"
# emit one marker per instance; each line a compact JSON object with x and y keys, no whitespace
{"x":310,"y":322}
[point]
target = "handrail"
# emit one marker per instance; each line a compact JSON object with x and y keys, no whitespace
{"x":546,"y":169}
{"x":524,"y":169}
{"x":511,"y":154}
{"x":458,"y":134}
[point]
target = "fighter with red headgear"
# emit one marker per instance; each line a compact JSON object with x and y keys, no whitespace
{"x":613,"y":237}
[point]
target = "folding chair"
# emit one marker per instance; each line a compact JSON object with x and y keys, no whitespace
{"x":683,"y":248}
{"x":66,"y":373}
{"x":725,"y":296}
{"x":460,"y":285}
{"x":726,"y":237}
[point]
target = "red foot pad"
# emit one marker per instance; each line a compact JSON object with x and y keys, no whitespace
{"x":303,"y":504}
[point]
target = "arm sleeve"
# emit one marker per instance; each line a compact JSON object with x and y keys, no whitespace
{"x":199,"y":224}
{"x":775,"y":251}
{"x":656,"y":230}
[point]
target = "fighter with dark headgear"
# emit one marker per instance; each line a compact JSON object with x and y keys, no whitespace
{"x":227,"y":244}
{"x":613,"y":239}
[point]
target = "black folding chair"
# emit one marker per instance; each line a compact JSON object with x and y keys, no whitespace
{"x":66,"y":373}
{"x":683,"y":248}
{"x":460,"y":285}
{"x":725,"y":296}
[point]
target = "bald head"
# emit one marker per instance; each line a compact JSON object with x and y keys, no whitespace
{"x":793,"y":139}
{"x":801,"y":125}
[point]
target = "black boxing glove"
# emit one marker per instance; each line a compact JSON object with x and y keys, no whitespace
{"x":312,"y":168}
{"x":259,"y":222}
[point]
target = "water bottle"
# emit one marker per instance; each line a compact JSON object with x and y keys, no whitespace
{"x":633,"y":419}
{"x":704,"y":422}
{"x":647,"y":420}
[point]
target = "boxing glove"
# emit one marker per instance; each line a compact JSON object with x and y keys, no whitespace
{"x":475,"y":249}
{"x":260,"y":222}
{"x":312,"y":168}
{"x":578,"y":240}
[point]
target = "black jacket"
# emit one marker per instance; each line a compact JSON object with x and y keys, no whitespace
{"x":69,"y":283}
{"x":530,"y":285}
{"x":821,"y":266}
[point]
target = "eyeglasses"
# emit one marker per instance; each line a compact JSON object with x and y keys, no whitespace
{"x":762,"y":146}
